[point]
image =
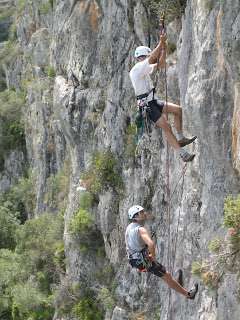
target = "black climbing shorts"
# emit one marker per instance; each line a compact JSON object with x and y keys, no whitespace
{"x":156,"y":268}
{"x":155,"y":108}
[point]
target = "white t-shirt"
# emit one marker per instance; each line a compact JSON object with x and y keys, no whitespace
{"x":140,"y":77}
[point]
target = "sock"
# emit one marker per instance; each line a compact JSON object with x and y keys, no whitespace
{"x":182,"y":151}
{"x":179,"y":135}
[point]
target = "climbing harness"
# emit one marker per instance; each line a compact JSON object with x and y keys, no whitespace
{"x":140,"y":259}
{"x":142,"y":121}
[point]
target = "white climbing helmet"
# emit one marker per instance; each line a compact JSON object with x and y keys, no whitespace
{"x":142,"y":51}
{"x":133,"y":210}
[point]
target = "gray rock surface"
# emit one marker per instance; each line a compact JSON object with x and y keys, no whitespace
{"x":95,"y":40}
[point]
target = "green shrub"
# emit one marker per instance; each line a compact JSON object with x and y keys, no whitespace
{"x":10,"y":52}
{"x":21,"y":198}
{"x":52,"y":3}
{"x":172,"y":8}
{"x":215,"y":245}
{"x":205,"y":271}
{"x":105,"y":275}
{"x":30,"y":303}
{"x":12,"y":129}
{"x":232,"y":212}
{"x":226,"y":251}
{"x":8,"y":226}
{"x":197,"y":268}
{"x":106,"y":299}
{"x":59,"y":256}
{"x":81,"y":222}
{"x":208,"y":4}
{"x":10,"y":272}
{"x":27,"y":275}
{"x":11,"y":103}
{"x":57,"y":188}
{"x":51,"y":72}
{"x":87,"y":309}
{"x":86,"y":200}
{"x":20,"y":6}
{"x":45,"y":7}
{"x":5,"y":21}
{"x":171,"y":47}
{"x":103,"y":173}
{"x":6,"y":14}
{"x":130,"y":139}
{"x":38,"y":240}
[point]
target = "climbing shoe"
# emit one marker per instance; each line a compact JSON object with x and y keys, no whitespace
{"x":186,"y":157}
{"x":192,"y":293}
{"x":179,"y":277}
{"x":185,"y":141}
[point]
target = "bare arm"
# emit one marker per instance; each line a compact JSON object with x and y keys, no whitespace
{"x":159,"y":52}
{"x":146,"y":238}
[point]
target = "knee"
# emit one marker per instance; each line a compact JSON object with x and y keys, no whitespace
{"x":179,"y":110}
{"x":164,"y":125}
{"x":167,"y":276}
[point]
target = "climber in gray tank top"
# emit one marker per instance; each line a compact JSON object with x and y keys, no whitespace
{"x":133,"y":240}
{"x":141,"y":252}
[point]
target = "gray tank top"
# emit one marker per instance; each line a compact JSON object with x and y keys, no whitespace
{"x":134,"y":242}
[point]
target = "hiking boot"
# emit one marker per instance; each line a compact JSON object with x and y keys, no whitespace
{"x":185,"y":141}
{"x":187,"y":157}
{"x":179,"y":277}
{"x":192,"y":293}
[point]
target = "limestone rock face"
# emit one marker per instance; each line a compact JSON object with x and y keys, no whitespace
{"x":94,"y":41}
{"x":236,"y":128}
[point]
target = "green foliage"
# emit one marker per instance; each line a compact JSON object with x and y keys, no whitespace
{"x":208,"y":4}
{"x":15,"y":205}
{"x":86,"y":200}
{"x":232,"y":212}
{"x":205,"y":271}
{"x":172,"y":8}
{"x":30,"y":303}
{"x":171,"y":47}
{"x":103,"y":173}
{"x":20,"y":6}
{"x":12,"y":129}
{"x":197,"y":268}
{"x":8,"y":227}
{"x":50,"y":72}
{"x":87,"y":309}
{"x":226,"y":251}
{"x":6,"y":14}
{"x":38,"y":240}
{"x":52,"y":3}
{"x":27,"y":274}
{"x":10,"y":52}
{"x":106,"y":299}
{"x":11,"y":104}
{"x":215,"y":245}
{"x":45,"y":7}
{"x":10,"y":272}
{"x":105,"y":275}
{"x":130,"y":141}
{"x":57,"y":188}
{"x":59,"y":256}
{"x":81,"y":222}
{"x":21,"y":198}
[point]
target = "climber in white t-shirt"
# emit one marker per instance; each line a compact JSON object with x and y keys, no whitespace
{"x":156,"y":109}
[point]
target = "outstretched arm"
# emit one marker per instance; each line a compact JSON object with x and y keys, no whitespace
{"x":146,"y":238}
{"x":159,"y":52}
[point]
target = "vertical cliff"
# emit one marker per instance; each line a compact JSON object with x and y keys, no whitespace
{"x":71,"y":59}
